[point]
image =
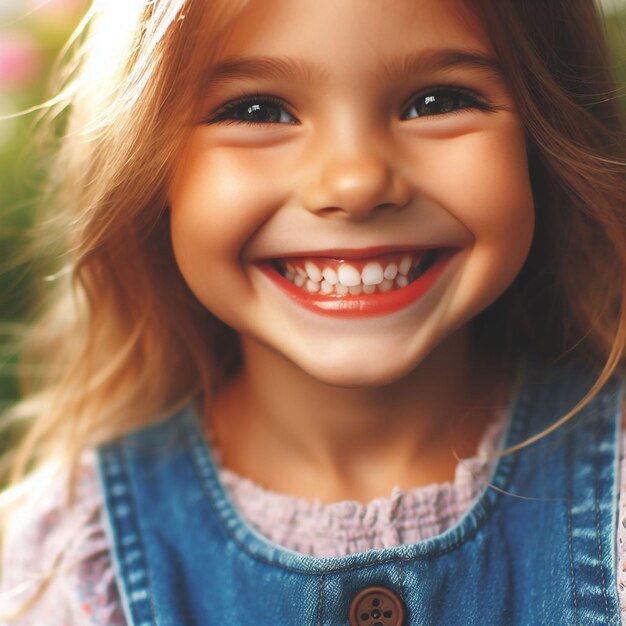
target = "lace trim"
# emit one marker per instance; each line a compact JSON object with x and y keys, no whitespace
{"x":342,"y":528}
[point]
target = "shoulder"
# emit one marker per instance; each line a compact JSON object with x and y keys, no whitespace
{"x":55,"y":553}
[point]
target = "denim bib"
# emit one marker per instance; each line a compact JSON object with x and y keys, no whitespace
{"x":536,"y":547}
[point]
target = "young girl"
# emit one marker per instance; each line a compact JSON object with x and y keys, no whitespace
{"x":339,"y":338}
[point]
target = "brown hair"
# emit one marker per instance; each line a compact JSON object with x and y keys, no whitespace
{"x":570,"y":296}
{"x":127,"y":339}
{"x":123,"y":340}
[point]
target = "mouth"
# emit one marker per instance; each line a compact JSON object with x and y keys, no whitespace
{"x":356,"y":287}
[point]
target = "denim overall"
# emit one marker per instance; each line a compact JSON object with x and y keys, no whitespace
{"x":537,"y":547}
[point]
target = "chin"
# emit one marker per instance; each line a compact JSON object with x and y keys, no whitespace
{"x":358,"y":370}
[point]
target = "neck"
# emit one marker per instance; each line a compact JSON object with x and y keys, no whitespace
{"x":292,"y":433}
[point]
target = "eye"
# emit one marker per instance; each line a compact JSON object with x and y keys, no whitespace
{"x":254,"y":110}
{"x":442,"y":100}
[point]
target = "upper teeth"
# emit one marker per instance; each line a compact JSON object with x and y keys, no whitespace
{"x":313,"y":271}
{"x":347,"y":275}
{"x":330,"y":276}
{"x":372,"y":274}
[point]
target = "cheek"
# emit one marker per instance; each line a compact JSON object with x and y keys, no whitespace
{"x":487,"y":188}
{"x":219,"y":197}
{"x":499,"y":197}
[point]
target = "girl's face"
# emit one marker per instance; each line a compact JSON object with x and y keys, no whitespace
{"x":356,"y":139}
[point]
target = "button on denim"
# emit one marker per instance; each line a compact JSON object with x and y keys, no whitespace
{"x":536,"y":547}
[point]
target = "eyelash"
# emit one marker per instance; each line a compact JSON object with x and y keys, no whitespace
{"x":234,"y":105}
{"x":469,"y":99}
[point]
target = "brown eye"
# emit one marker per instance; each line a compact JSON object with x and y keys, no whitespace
{"x":254,"y":111}
{"x":443,"y":101}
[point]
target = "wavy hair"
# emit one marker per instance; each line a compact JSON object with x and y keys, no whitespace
{"x":122,"y":338}
{"x":554,"y":55}
{"x":125,"y":341}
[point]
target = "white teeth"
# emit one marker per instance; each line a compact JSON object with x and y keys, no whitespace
{"x":348,"y":275}
{"x":372,"y":274}
{"x":346,"y":279}
{"x":313,"y":271}
{"x":405,"y":265}
{"x":325,"y":287}
{"x":330,"y":276}
{"x":386,"y":285}
{"x":391,"y":271}
{"x":312,"y":286}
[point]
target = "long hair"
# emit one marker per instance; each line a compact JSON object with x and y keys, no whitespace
{"x":570,"y":296}
{"x":122,"y":339}
{"x":125,"y":341}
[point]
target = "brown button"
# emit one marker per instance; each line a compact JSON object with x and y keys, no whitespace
{"x":376,"y":606}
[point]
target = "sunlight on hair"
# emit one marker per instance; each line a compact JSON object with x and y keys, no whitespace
{"x":112,"y":33}
{"x":33,"y":487}
{"x":113,"y":45}
{"x":119,"y":58}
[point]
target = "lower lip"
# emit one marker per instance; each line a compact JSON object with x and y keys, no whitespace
{"x":364,"y":305}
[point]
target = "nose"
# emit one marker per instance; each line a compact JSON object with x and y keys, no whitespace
{"x":355,"y":179}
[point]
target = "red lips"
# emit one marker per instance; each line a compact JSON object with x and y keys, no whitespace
{"x":362,"y":305}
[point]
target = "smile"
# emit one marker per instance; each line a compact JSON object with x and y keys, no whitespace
{"x":339,"y":278}
{"x":359,"y":287}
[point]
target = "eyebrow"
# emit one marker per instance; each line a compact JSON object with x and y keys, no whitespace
{"x":429,"y":60}
{"x":442,"y":59}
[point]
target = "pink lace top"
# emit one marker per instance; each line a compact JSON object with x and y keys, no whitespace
{"x":83,"y":593}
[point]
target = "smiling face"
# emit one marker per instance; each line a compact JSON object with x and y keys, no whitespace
{"x":376,"y":150}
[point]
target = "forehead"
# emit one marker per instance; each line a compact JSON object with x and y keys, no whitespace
{"x":347,"y":33}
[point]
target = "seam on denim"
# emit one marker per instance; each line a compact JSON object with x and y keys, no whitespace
{"x":597,"y":514}
{"x":349,"y":568}
{"x":146,"y":575}
{"x":524,"y":404}
{"x":402,"y":581}
{"x":320,"y":601}
{"x":135,"y":594}
{"x":568,"y":496}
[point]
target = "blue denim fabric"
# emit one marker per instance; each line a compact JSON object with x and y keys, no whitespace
{"x":535,"y":548}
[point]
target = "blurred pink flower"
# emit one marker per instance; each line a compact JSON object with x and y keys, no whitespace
{"x":20,"y":60}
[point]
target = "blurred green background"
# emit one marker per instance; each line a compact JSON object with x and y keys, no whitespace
{"x":31,"y":34}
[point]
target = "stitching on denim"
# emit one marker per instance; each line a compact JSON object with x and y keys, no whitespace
{"x":568,"y":496}
{"x":197,"y":449}
{"x":141,"y":594}
{"x":525,"y":404}
{"x":348,"y":568}
{"x":402,"y":580}
{"x":145,"y":568}
{"x":600,"y":556}
{"x":597,"y":512}
{"x":136,"y":594}
{"x":320,"y":601}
